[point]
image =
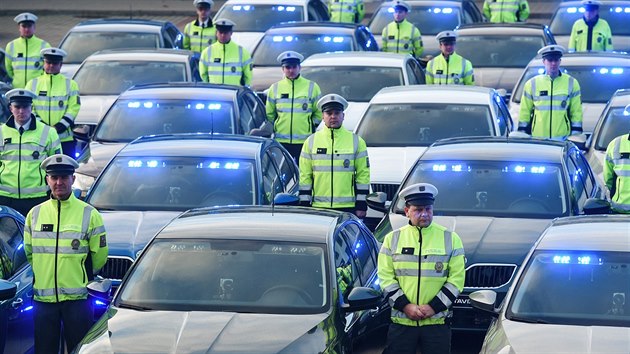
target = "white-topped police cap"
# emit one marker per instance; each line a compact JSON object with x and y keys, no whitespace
{"x":591,"y":2}
{"x":59,"y":165}
{"x":332,"y":101}
{"x":203,"y":2}
{"x":551,"y":51}
{"x":419,"y":194}
{"x":400,"y":3}
{"x":56,"y":53}
{"x":19,"y":95}
{"x":25,"y":17}
{"x":224,"y":22}
{"x":290,"y":56}
{"x":446,"y":36}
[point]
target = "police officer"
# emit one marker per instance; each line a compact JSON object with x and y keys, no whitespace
{"x":65,"y":243}
{"x":449,"y":67}
{"x":421,"y":270}
{"x":346,"y":11}
{"x":590,"y":32}
{"x":225,"y":62}
{"x":57,"y":103}
{"x":401,"y":36}
{"x":201,"y":32}
{"x":24,"y":143}
{"x":292,"y":105}
{"x":334,"y":165}
{"x":617,"y":173}
{"x":551,"y":105}
{"x":506,"y":10}
{"x":23,"y":60}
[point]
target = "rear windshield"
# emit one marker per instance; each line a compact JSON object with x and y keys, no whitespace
{"x":80,"y":45}
{"x":428,"y":19}
{"x":618,"y":18}
{"x":267,"y":51}
{"x":500,"y":51}
{"x":259,"y":18}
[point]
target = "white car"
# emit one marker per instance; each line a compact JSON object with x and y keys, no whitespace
{"x":401,"y":122}
{"x":358,"y":76}
{"x":254,"y":17}
{"x":600,"y":74}
{"x":570,"y":296}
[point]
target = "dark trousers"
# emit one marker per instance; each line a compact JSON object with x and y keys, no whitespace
{"x":434,"y":339}
{"x":69,"y":148}
{"x":76,"y":317}
{"x":295,"y":150}
{"x":22,"y":205}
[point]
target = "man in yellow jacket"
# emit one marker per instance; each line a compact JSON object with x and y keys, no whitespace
{"x":421,"y":268}
{"x":200,"y":33}
{"x":590,"y":32}
{"x":23,"y":60}
{"x":57,"y":103}
{"x":617,"y":173}
{"x":346,"y":11}
{"x":401,"y":36}
{"x":551,"y":105}
{"x":225,"y":62}
{"x":65,"y":243}
{"x":449,"y":68}
{"x":334,"y":164}
{"x":24,"y":143}
{"x":506,"y":10}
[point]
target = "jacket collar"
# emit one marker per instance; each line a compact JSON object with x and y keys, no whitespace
{"x":31,"y":126}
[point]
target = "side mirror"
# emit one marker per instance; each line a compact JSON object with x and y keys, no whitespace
{"x":83,"y":132}
{"x":485,"y":300}
{"x":265,"y":130}
{"x":363,"y":298}
{"x":579,"y":140}
{"x":286,"y":199}
{"x":100,"y":288}
{"x":597,"y":206}
{"x":377,"y":201}
{"x":7,"y":290}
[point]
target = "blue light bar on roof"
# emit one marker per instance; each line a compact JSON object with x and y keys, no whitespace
{"x":584,"y":259}
{"x":442,"y":10}
{"x":242,"y":7}
{"x":573,"y":10}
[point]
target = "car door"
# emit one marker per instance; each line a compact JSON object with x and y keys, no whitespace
{"x":288,"y":171}
{"x":414,"y":72}
{"x":251,"y":112}
{"x":272,"y":184}
{"x":503,"y":114}
{"x":365,"y":39}
{"x":317,"y":11}
{"x":175,"y":37}
{"x":581,"y":180}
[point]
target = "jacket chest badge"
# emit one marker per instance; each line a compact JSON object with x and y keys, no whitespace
{"x":564,"y":104}
{"x":35,"y":155}
{"x":233,"y":69}
{"x":439,"y":266}
{"x":346,"y":163}
{"x":47,"y":227}
{"x":406,"y":45}
{"x":217,"y":60}
{"x":321,"y":150}
{"x":61,"y":103}
{"x":75,"y":244}
{"x":37,"y":64}
{"x":304,"y":106}
{"x":456,"y":80}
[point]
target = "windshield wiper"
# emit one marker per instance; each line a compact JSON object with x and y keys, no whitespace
{"x":125,"y":305}
{"x":527,"y":320}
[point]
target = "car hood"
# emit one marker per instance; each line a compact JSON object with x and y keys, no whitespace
{"x":390,"y":164}
{"x":129,"y":231}
{"x":132,"y":331}
{"x":591,"y":113}
{"x":100,"y":154}
{"x":489,"y":239}
{"x":265,"y":76}
{"x":93,"y":108}
{"x":498,"y":78}
{"x":247,"y":39}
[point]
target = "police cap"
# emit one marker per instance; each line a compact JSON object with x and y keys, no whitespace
{"x":202,"y":3}
{"x":401,"y":5}
{"x":53,"y":54}
{"x":290,"y":57}
{"x":20,"y":96}
{"x":224,"y":25}
{"x":59,"y":165}
{"x":552,"y":51}
{"x":332,"y":101}
{"x":419,"y":194}
{"x":591,"y":4}
{"x":446,"y":37}
{"x":25,"y":17}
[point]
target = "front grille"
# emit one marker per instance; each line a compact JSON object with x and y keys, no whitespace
{"x":116,"y":267}
{"x":389,"y":189}
{"x":489,"y":275}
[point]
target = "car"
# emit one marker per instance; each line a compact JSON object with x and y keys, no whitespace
{"x":509,"y":48}
{"x":357,"y":76}
{"x":91,"y":36}
{"x":104,"y":75}
{"x":305,"y":281}
{"x":5,"y":112}
{"x":430,"y":16}
{"x":169,"y":108}
{"x":615,"y":12}
{"x":571,"y":293}
{"x":600,"y":74}
{"x":401,"y":122}
{"x":253,"y":18}
{"x":614,"y":121}
{"x":306,"y":38}
{"x":498,"y":194}
{"x":155,"y":178}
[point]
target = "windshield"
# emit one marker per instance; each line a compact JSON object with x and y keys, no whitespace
{"x":259,"y":18}
{"x":174,"y":183}
{"x":129,"y":119}
{"x":354,"y":83}
{"x":229,"y":276}
{"x":421,"y":124}
{"x":267,"y":51}
{"x":114,"y":77}
{"x":597,"y":84}
{"x":616,"y":122}
{"x":80,"y":45}
{"x":617,"y":17}
{"x":583,"y":288}
{"x":500,"y":51}
{"x":429,"y":20}
{"x":492,"y":188}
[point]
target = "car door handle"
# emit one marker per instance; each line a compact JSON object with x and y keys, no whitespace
{"x":374,"y":312}
{"x":17,"y":303}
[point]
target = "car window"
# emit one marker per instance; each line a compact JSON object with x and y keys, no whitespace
{"x":168,"y":40}
{"x":430,"y":20}
{"x":174,"y":36}
{"x":615,"y":123}
{"x":504,"y":121}
{"x":367,"y":39}
{"x":363,"y":250}
{"x":258,"y":17}
{"x":501,"y":50}
{"x":256,"y":109}
{"x":286,"y":166}
{"x":617,"y":17}
{"x":246,"y":118}
{"x":317,"y":11}
{"x":272,"y":184}
{"x":582,"y":182}
{"x":415,"y":73}
{"x":348,"y":275}
{"x":272,"y":44}
{"x":12,"y":255}
{"x":468,"y":18}
{"x":80,"y":45}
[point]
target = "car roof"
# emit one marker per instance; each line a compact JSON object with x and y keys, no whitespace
{"x":504,"y":29}
{"x":588,"y":59}
{"x":280,"y":223}
{"x":182,"y":90}
{"x":460,"y":94}
{"x":269,"y":2}
{"x":146,"y":54}
{"x":119,"y":25}
{"x":197,"y":144}
{"x":604,"y":3}
{"x":587,"y":232}
{"x":374,"y":59}
{"x":440,"y":3}
{"x":620,"y":98}
{"x":315,"y":27}
{"x":498,"y":149}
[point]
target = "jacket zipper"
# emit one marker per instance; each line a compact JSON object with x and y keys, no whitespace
{"x":332,"y":167}
{"x":397,"y":36}
{"x":26,"y":62}
{"x":20,"y":166}
{"x":223,"y":71}
{"x":57,"y":248}
{"x":551,"y":110}
{"x":419,"y":268}
{"x":50,"y":100}
{"x":292,"y":103}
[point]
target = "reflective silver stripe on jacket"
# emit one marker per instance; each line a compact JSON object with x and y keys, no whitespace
{"x":32,"y":190}
{"x":60,"y":250}
{"x":320,"y":199}
{"x":61,"y":291}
